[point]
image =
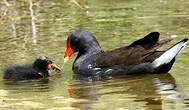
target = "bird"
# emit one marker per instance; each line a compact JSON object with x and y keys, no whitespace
{"x":39,"y":69}
{"x":140,"y":57}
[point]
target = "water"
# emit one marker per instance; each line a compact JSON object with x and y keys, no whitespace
{"x":31,"y":28}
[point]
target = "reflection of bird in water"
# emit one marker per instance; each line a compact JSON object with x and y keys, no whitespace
{"x":147,"y":91}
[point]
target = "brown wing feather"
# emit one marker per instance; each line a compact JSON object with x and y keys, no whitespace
{"x":140,"y":51}
{"x":126,"y":56}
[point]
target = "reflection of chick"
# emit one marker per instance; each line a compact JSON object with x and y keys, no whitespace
{"x":39,"y":69}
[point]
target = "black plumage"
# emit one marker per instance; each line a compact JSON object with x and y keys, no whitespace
{"x":139,"y":57}
{"x":39,"y":69}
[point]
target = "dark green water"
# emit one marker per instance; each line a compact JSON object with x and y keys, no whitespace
{"x":30,"y":28}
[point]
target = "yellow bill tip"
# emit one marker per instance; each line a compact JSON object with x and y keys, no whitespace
{"x":66,"y":59}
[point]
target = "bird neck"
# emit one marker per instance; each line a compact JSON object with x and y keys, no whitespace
{"x":89,"y":50}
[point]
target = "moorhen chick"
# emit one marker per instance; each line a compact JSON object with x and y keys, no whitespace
{"x":39,"y":69}
{"x":139,"y":57}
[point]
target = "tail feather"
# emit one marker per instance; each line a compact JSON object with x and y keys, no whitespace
{"x":170,"y":54}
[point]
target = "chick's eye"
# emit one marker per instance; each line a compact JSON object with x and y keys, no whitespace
{"x":50,"y":62}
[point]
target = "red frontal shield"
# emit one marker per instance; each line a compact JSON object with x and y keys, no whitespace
{"x":69,"y":51}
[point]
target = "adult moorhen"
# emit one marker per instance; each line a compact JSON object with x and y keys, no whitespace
{"x":39,"y":69}
{"x":139,"y":57}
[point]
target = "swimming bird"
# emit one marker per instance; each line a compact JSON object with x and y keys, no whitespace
{"x":139,"y":57}
{"x":39,"y":69}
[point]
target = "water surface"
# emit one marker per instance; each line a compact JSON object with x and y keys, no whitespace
{"x":31,"y":28}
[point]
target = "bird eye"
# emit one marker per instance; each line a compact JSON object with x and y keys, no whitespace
{"x":50,"y":62}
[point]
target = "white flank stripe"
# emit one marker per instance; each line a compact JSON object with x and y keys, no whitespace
{"x":108,"y":70}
